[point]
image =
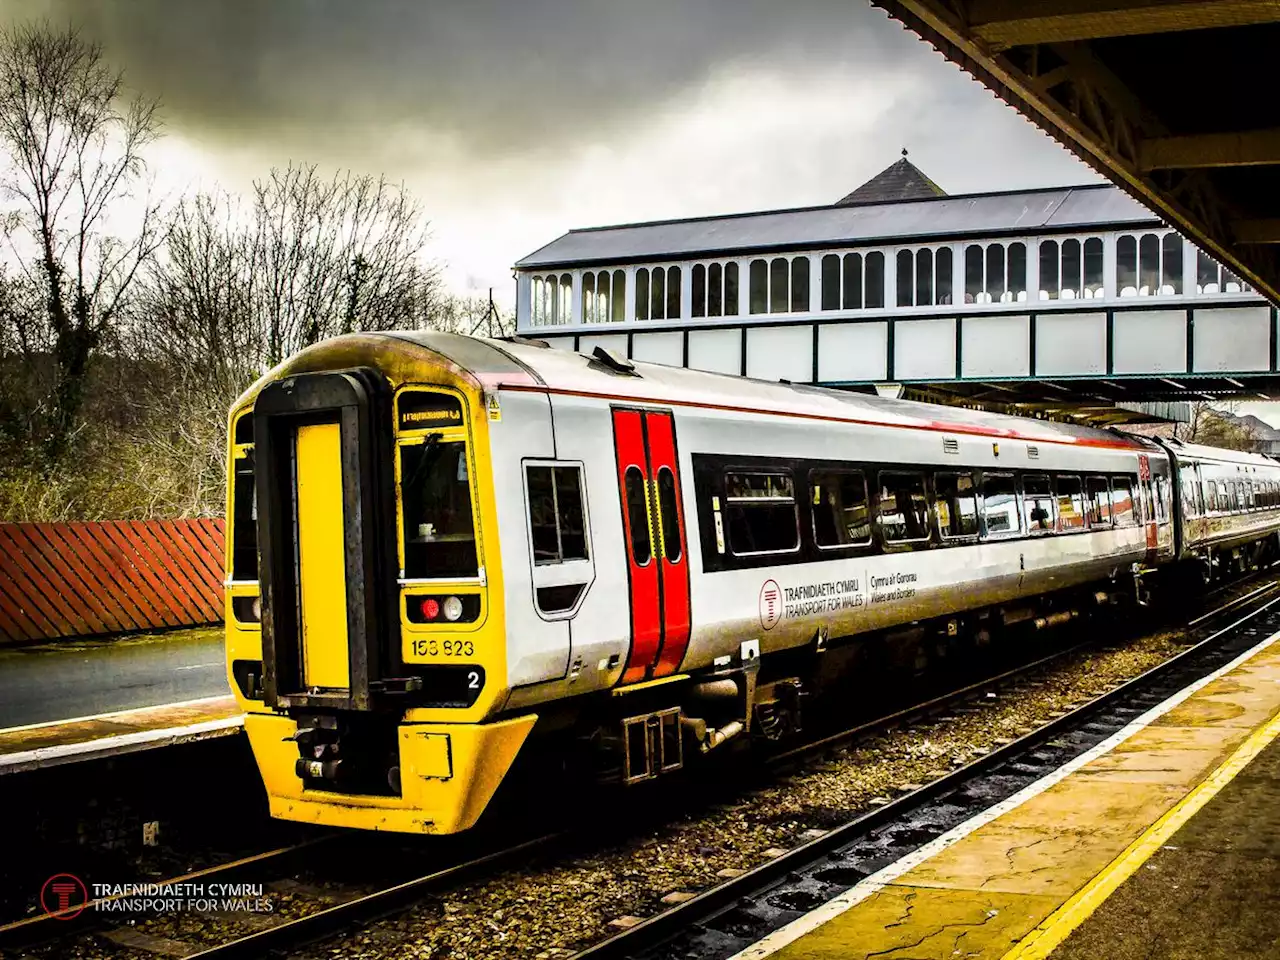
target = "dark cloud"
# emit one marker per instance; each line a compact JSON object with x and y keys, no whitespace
{"x":483,"y":72}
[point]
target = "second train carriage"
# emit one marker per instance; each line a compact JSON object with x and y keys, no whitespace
{"x":441,"y":546}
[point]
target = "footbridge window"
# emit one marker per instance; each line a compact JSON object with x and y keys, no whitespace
{"x":715,"y":290}
{"x":924,"y":277}
{"x":1212,"y":277}
{"x":853,"y":282}
{"x":658,"y":293}
{"x":995,"y":273}
{"x":551,"y":299}
{"x":779,"y":285}
{"x":1149,"y":265}
{"x":604,"y":296}
{"x":1071,"y":269}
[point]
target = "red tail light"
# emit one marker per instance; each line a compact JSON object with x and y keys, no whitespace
{"x":430,"y":608}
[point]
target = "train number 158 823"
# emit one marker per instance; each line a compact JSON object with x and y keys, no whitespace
{"x":430,"y":647}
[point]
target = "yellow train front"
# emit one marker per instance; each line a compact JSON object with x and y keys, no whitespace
{"x":363,"y":639}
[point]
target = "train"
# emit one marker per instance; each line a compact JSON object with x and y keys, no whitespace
{"x":445,"y":553}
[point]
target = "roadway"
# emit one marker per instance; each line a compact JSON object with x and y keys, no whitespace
{"x":86,"y":677}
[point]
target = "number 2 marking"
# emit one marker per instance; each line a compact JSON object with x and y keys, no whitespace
{"x":474,"y":680}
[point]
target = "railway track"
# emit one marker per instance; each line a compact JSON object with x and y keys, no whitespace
{"x":321,"y":913}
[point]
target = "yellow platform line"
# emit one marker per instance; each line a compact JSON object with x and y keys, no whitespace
{"x":1055,"y":928}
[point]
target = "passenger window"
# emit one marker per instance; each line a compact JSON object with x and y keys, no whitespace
{"x":761,"y":510}
{"x":1211,"y":496}
{"x":670,"y":512}
{"x":1099,"y":501}
{"x":1070,"y":504}
{"x":841,"y":514}
{"x":1122,"y":502}
{"x":956,"y":504}
{"x":435,"y":494}
{"x":1037,"y":503}
{"x":1000,"y":505}
{"x":556,"y":514}
{"x":904,"y":509}
{"x":638,"y":516}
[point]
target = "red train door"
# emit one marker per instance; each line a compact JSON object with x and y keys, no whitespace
{"x":653,"y":522}
{"x":1148,"y":503}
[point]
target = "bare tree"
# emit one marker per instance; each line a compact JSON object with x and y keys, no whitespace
{"x":75,"y":140}
{"x":1217,"y":428}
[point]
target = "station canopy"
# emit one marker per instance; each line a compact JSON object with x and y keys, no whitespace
{"x":1171,"y":99}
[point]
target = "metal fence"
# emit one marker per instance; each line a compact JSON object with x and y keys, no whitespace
{"x":82,"y":579}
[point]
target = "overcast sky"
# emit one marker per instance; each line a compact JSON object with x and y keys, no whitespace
{"x":515,"y":120}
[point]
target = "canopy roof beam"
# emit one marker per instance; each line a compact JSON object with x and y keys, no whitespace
{"x":1247,"y":148}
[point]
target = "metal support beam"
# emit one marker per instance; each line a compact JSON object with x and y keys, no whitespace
{"x":1012,"y":23}
{"x":1249,"y":148}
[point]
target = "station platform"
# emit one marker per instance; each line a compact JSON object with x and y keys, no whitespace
{"x":85,"y":677}
{"x":53,"y":743}
{"x":1161,"y":842}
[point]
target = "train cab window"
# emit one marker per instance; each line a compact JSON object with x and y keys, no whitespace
{"x":556,"y":514}
{"x":903,"y":508}
{"x":1037,"y":503}
{"x":1071,"y":514}
{"x":1122,"y":502}
{"x":638,"y":516}
{"x":1098,"y":501}
{"x":244,"y":533}
{"x":1000,"y":505}
{"x":841,"y":510}
{"x":435,"y":493}
{"x":956,"y":505}
{"x":761,"y":513}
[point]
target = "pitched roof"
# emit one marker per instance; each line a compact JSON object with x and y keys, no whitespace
{"x":1045,"y":210}
{"x":901,"y":180}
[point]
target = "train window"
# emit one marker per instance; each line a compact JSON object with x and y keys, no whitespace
{"x":956,"y":504}
{"x":244,"y":533}
{"x":1098,"y":501}
{"x":1161,"y":498}
{"x":1122,"y":502}
{"x":556,"y":514}
{"x":1037,"y":503}
{"x":761,"y":512}
{"x":841,"y":512}
{"x":1000,"y":505}
{"x":1211,"y":496}
{"x":638,"y":516}
{"x":1071,"y":514}
{"x":435,"y":495}
{"x":669,"y":513}
{"x":1190,"y":507}
{"x":904,"y":508}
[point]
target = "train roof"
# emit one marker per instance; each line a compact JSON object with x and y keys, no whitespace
{"x":1220,"y":455}
{"x":520,"y":364}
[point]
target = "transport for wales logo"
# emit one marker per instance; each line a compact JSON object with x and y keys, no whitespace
{"x":64,"y":896}
{"x":770,"y":604}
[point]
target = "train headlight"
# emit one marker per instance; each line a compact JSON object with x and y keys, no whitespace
{"x":430,"y":608}
{"x":257,"y":609}
{"x":452,"y":608}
